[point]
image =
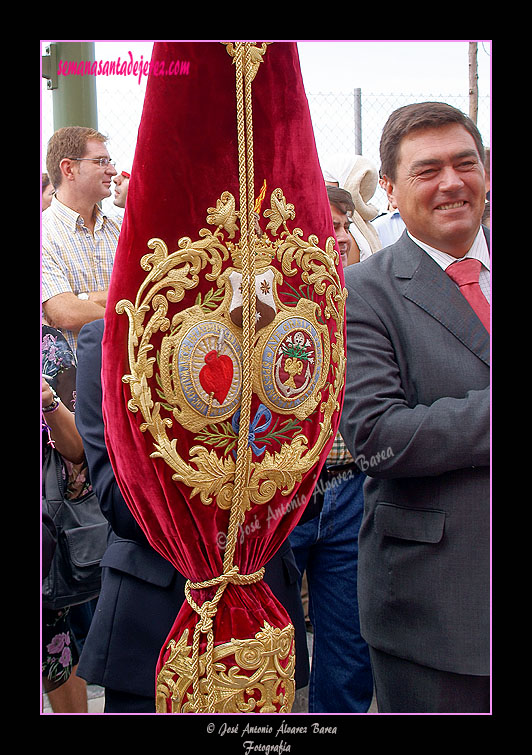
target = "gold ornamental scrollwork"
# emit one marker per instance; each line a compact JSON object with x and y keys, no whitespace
{"x":251,"y":335}
{"x":249,"y":676}
{"x":190,"y":334}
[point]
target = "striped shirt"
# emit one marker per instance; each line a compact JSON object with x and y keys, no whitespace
{"x":74,"y":260}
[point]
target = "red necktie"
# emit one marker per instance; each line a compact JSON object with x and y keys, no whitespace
{"x":465,"y":274}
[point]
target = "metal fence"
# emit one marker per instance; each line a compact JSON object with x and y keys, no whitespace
{"x":346,"y":123}
{"x":352,"y":123}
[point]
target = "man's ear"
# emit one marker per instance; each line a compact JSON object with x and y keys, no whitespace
{"x":389,"y":188}
{"x":68,"y":169}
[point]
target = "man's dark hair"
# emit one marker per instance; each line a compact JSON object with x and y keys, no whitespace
{"x":421,"y":115}
{"x":341,"y":199}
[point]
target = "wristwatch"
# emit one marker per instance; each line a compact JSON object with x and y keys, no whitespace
{"x":83,"y":296}
{"x":55,"y":402}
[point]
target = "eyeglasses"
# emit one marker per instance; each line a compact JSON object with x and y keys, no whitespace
{"x":103,"y":162}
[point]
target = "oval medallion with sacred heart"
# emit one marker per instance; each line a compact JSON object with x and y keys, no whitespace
{"x":208,"y":360}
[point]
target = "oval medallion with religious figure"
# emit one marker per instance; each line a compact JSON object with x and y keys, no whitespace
{"x":294,"y":363}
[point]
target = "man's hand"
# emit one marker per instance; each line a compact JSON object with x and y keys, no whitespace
{"x":67,"y":312}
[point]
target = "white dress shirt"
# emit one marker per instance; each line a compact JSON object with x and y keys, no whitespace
{"x":479,"y":251}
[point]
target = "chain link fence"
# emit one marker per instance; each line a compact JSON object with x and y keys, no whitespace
{"x":352,"y":123}
{"x":348,"y":123}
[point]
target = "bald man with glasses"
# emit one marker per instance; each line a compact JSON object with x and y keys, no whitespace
{"x":78,"y":240}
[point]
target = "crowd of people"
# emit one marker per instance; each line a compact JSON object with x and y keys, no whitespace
{"x":389,"y":565}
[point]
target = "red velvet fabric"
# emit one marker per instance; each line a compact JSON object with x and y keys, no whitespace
{"x":186,"y":156}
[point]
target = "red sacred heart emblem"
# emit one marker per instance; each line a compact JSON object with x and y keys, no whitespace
{"x":217,"y":375}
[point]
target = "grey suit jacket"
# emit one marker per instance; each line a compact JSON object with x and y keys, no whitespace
{"x":416,"y":418}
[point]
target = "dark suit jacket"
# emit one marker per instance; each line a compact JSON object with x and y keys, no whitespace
{"x":416,"y":418}
{"x":141,"y":591}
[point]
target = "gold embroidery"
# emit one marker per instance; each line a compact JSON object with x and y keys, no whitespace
{"x":213,"y":357}
{"x":224,"y":215}
{"x":270,"y":687}
{"x":254,"y":55}
{"x":192,"y":335}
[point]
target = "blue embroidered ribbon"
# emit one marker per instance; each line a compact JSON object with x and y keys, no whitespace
{"x":263,"y":415}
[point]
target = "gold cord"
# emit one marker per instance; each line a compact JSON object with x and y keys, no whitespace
{"x":192,"y":678}
{"x":206,"y":613}
{"x":245,"y":72}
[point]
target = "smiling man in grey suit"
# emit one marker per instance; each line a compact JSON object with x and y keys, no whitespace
{"x":417,"y":420}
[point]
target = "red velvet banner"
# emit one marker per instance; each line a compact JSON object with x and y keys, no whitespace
{"x":223,"y":356}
